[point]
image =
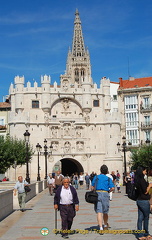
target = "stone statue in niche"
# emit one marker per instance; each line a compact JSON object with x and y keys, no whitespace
{"x":80,"y":146}
{"x":87,"y":118}
{"x":66,"y":104}
{"x":67,"y":147}
{"x":78,"y":132}
{"x":46,"y":117}
{"x":65,"y":85}
{"x":55,"y":146}
{"x":54,"y":132}
{"x":66,"y":130}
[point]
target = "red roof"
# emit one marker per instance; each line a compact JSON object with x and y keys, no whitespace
{"x":5,"y":105}
{"x":135,"y":82}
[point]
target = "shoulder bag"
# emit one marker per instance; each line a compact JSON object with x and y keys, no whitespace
{"x":27,"y":188}
{"x":92,"y":196}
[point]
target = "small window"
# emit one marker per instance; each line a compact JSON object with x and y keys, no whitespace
{"x":96,"y":103}
{"x":115,"y":97}
{"x":2,"y":121}
{"x":35,"y":104}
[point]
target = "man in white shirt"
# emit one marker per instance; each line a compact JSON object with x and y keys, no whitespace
{"x":19,"y":186}
{"x":51,"y":184}
{"x":66,"y":200}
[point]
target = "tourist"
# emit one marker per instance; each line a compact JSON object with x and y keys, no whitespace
{"x":51,"y":184}
{"x":66,"y":200}
{"x":103,"y":184}
{"x":19,"y":186}
{"x":143,"y":204}
{"x":128,"y":182}
{"x":87,"y":180}
{"x":81,"y":180}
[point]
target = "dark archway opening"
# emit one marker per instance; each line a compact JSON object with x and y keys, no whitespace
{"x":70,"y":166}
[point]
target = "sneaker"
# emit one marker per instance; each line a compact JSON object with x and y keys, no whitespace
{"x":65,"y":236}
{"x":106,"y":226}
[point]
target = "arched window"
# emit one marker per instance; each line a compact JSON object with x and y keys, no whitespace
{"x":82,"y":73}
{"x":77,"y":75}
{"x":76,"y":72}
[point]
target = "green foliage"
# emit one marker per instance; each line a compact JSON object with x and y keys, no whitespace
{"x":142,"y":157}
{"x":11,"y":150}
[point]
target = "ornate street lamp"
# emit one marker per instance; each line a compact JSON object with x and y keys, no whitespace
{"x":26,"y":138}
{"x":45,"y":154}
{"x":147,"y":142}
{"x":38,"y":147}
{"x":124,"y":150}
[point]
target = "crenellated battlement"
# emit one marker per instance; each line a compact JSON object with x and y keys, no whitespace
{"x":19,"y":80}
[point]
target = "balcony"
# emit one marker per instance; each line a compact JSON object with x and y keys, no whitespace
{"x":145,"y":108}
{"x":146,"y":126}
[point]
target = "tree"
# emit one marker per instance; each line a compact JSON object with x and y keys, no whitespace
{"x":142,"y":156}
{"x":13,"y":150}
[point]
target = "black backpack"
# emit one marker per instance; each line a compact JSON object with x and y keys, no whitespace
{"x":132,"y":192}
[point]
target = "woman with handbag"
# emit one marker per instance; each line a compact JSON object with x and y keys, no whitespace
{"x":143,"y":204}
{"x":104,"y":185}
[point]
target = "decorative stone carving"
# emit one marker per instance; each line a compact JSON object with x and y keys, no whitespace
{"x":66,"y":104}
{"x":54,"y":131}
{"x":46,"y":117}
{"x":67,"y":147}
{"x":67,"y":130}
{"x":65,"y":84}
{"x":87,"y":118}
{"x":78,"y":132}
{"x":50,"y":158}
{"x":80,"y":146}
{"x":84,"y":157}
{"x":55,"y":145}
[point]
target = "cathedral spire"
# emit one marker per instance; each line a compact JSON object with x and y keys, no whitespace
{"x":78,"y":67}
{"x":78,"y":48}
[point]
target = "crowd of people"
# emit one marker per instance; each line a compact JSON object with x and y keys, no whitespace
{"x":64,"y":189}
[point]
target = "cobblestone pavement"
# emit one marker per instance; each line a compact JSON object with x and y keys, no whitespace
{"x":40,"y":213}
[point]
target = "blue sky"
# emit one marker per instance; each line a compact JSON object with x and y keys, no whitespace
{"x":35,"y":36}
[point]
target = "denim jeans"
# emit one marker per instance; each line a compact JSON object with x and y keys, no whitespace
{"x":143,"y":216}
{"x":76,"y":184}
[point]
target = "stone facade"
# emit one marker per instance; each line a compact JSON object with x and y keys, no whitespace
{"x":135,"y":102}
{"x":75,"y":117}
{"x":5,"y":107}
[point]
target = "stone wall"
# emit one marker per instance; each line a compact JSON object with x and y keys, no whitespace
{"x":6,"y":203}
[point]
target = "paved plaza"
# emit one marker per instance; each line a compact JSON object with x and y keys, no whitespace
{"x":40,"y":213}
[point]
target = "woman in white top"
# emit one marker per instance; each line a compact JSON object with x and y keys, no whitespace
{"x":81,"y":180}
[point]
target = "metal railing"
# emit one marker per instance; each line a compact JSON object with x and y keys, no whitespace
{"x":146,"y":125}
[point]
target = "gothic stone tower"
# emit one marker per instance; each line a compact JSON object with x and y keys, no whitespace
{"x":74,"y":117}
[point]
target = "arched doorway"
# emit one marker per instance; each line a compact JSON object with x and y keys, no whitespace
{"x":68,"y":166}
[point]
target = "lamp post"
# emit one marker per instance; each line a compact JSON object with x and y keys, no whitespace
{"x":26,"y":137}
{"x":38,"y":147}
{"x":124,"y":150}
{"x":45,"y":154}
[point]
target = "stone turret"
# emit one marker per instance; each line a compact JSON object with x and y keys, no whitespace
{"x":46,"y":98}
{"x":19,"y":93}
{"x":86,"y":96}
{"x":105,"y":82}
